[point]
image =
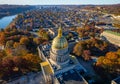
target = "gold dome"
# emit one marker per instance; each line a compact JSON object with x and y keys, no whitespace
{"x":59,"y":42}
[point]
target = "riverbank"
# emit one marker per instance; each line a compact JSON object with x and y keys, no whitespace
{"x":5,"y":21}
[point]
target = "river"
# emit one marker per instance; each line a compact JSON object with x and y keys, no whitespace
{"x":5,"y":21}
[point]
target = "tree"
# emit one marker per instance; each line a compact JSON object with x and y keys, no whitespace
{"x":78,"y":49}
{"x":38,"y":40}
{"x":112,"y":56}
{"x":32,"y":58}
{"x":69,"y":36}
{"x":9,"y":52}
{"x":44,"y":34}
{"x":118,"y":60}
{"x":33,"y":61}
{"x":110,"y":62}
{"x":20,"y":63}
{"x":87,"y":28}
{"x":2,"y":38}
{"x":81,"y":35}
{"x":24,"y":40}
{"x":86,"y":54}
{"x":118,"y":52}
{"x":107,"y":62}
{"x":105,"y":44}
{"x":9,"y":44}
{"x":8,"y":62}
{"x":8,"y":65}
{"x":16,"y":44}
{"x":100,"y":60}
{"x":20,"y":50}
{"x":2,"y":54}
{"x":92,"y":34}
{"x":1,"y":70}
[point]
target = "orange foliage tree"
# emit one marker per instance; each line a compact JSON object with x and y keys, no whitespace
{"x":24,"y":40}
{"x":110,"y":62}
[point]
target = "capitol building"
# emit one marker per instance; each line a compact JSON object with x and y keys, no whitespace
{"x":58,"y":66}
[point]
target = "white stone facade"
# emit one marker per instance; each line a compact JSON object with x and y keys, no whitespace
{"x":59,"y":55}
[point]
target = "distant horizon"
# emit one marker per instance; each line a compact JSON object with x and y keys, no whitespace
{"x":59,"y":2}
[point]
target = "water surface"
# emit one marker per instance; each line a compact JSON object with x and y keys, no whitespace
{"x":5,"y":21}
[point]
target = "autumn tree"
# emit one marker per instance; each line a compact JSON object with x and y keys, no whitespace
{"x":32,"y":58}
{"x":9,"y":44}
{"x":2,"y":54}
{"x":112,"y":56}
{"x":8,"y":65}
{"x":20,"y":50}
{"x":100,"y":61}
{"x":33,"y":61}
{"x":2,"y":38}
{"x":39,"y":40}
{"x":24,"y":40}
{"x":78,"y":49}
{"x":44,"y":34}
{"x":86,"y":54}
{"x":118,"y":52}
{"x":21,"y":64}
{"x":16,"y":44}
{"x":110,"y":62}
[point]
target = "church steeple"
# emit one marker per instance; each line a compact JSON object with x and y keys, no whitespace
{"x":60,"y":32}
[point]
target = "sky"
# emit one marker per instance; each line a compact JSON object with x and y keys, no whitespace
{"x":58,"y":2}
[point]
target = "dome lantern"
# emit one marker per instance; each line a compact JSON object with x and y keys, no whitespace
{"x":60,"y":32}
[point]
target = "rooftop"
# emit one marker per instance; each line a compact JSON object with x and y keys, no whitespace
{"x":46,"y":67}
{"x":117,"y":80}
{"x":70,"y":77}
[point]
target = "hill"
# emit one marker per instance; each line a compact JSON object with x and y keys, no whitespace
{"x":6,"y":10}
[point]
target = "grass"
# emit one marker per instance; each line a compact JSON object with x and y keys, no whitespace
{"x":115,"y":33}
